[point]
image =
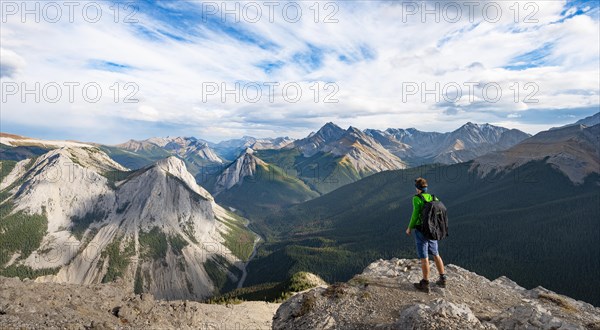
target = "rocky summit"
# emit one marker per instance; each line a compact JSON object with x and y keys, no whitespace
{"x":383,"y":297}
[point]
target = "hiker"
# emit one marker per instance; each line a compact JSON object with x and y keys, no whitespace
{"x":425,"y":246}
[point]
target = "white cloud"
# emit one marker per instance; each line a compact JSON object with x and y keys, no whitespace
{"x":170,"y":72}
{"x":10,"y":63}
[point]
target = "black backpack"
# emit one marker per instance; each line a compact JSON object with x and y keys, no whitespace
{"x":434,"y":219}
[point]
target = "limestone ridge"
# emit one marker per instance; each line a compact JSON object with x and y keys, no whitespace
{"x":154,"y":226}
{"x":383,"y":297}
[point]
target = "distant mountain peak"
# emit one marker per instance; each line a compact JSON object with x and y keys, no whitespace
{"x":470,"y":125}
{"x":330,"y":130}
{"x":355,"y":130}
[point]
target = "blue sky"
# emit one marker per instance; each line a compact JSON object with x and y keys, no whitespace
{"x":361,"y":56}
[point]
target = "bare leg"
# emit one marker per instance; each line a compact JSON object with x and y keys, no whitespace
{"x":439,"y":264}
{"x":425,"y":268}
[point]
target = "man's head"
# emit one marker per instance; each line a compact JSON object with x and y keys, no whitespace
{"x":421,"y":185}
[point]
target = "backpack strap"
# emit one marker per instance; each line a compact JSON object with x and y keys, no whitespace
{"x":433,"y":198}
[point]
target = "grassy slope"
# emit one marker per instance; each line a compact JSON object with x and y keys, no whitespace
{"x":273,"y":292}
{"x":238,"y":239}
{"x":6,"y":166}
{"x":19,"y":232}
{"x":290,"y":178}
{"x":532,"y":225}
{"x":322,"y":172}
{"x":5,"y":191}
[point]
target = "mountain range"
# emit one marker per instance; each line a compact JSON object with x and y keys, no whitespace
{"x":293,"y":171}
{"x":149,"y":212}
{"x":333,"y":157}
{"x":466,"y":143}
{"x":324,"y":160}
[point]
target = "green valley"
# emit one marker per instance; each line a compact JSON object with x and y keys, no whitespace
{"x":531,"y":224}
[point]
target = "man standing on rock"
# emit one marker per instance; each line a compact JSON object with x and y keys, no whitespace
{"x":424,"y":246}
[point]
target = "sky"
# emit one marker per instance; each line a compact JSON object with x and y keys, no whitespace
{"x":106,"y":71}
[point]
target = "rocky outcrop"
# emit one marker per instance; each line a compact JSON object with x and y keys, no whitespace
{"x":29,"y":305}
{"x":383,"y":297}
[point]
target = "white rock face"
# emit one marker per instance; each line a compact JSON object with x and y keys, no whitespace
{"x":65,"y":183}
{"x":234,"y":174}
{"x":90,"y":207}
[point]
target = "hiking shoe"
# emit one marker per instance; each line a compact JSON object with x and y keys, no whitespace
{"x":441,"y":282}
{"x":423,"y":286}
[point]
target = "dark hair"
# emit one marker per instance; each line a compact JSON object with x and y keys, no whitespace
{"x":420,"y":183}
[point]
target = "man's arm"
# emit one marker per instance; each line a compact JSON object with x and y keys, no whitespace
{"x":415,"y":214}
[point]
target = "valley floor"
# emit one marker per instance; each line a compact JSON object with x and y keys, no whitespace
{"x":27,"y":304}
